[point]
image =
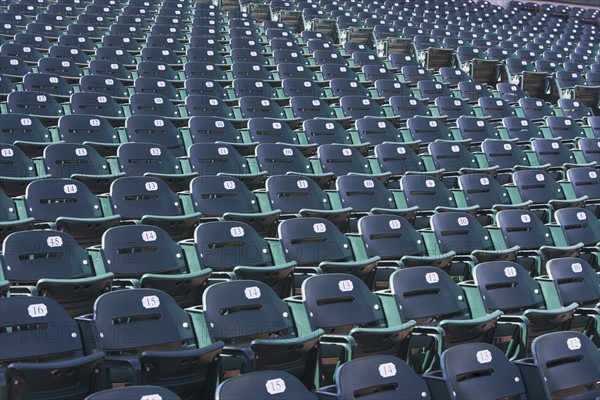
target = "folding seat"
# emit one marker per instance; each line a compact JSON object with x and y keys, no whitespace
{"x":294,"y":70}
{"x":362,"y":58}
{"x":376,"y":131}
{"x":592,"y":78}
{"x":382,"y":375}
{"x":134,"y":392}
{"x":354,"y":321}
{"x":188,"y":368}
{"x":79,"y":162}
{"x":165,"y":42}
{"x":154,"y":69}
{"x":54,"y":265}
{"x":196,"y":69}
{"x":546,"y":66}
{"x":131,"y":31}
{"x":110,"y":68}
{"x":11,"y":219}
{"x":562,"y":363}
{"x":222,"y":159}
{"x":590,"y":149}
{"x":412,"y":74}
{"x":523,"y":228}
{"x":272,"y":384}
{"x":343,"y":159}
{"x":289,"y":56}
{"x":473,"y":91}
{"x":475,"y":370}
{"x":574,"y":108}
{"x":35,"y":104}
{"x":339,"y":87}
{"x":157,"y":105}
{"x":151,"y":201}
{"x":509,"y":92}
{"x":233,"y":247}
{"x":26,"y":53}
{"x":99,"y":105}
{"x":454,"y":76}
{"x":452,"y":108}
{"x":427,"y":129}
{"x":476,"y":129}
{"x":455,"y":158}
{"x":416,"y":293}
{"x":200,"y":54}
{"x":158,"y":87}
{"x":282,"y":159}
{"x":162,"y":55}
{"x":109,"y":56}
{"x":146,"y":256}
{"x":25,"y":131}
{"x":68,"y":53}
{"x":263,"y":107}
{"x":287,"y":349}
{"x":173,"y":31}
{"x":554,"y":153}
{"x":430,"y":90}
{"x":249,"y":56}
{"x":564,"y":128}
{"x":573,"y":280}
{"x":306,"y":108}
{"x":55,"y":362}
{"x":506,"y":286}
{"x":399,"y":60}
{"x":593,"y":122}
{"x":153,"y":160}
{"x":584,"y":182}
{"x":330,"y":71}
{"x":521,"y":129}
{"x":535,"y":109}
{"x":126,"y":43}
{"x":227,"y":198}
{"x":356,"y":107}
{"x":326,"y":131}
{"x":579,"y":225}
{"x":365,"y":195}
{"x":32,"y":41}
{"x":405,"y":107}
{"x":47,"y":83}
{"x":487,"y":193}
{"x":301,"y":87}
{"x":495,"y":108}
{"x":158,"y":130}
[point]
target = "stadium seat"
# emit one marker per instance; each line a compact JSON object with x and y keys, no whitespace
{"x":562,"y":364}
{"x":164,"y":337}
{"x":271,"y":384}
{"x":475,"y":370}
{"x":134,"y":392}
{"x":375,"y":376}
{"x":151,"y":201}
{"x":45,"y":365}
{"x":275,"y":341}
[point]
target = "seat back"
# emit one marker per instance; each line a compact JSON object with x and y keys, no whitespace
{"x":134,"y":197}
{"x":483,"y":190}
{"x":215,"y":158}
{"x":245,"y":310}
{"x":460,"y":232}
{"x":156,"y":130}
{"x":151,"y":318}
{"x":15,"y":163}
{"x":279,"y":159}
{"x":379,"y":377}
{"x":33,"y":255}
{"x":34,"y":103}
{"x":309,"y":241}
{"x":584,"y":182}
{"x":579,"y":225}
{"x":342,"y":159}
{"x":481,"y":370}
{"x":276,"y":385}
{"x":428,"y":294}
{"x":137,"y":159}
{"x":214,"y":196}
{"x":322,"y":131}
{"x":568,"y":362}
{"x":537,"y":186}
{"x":506,"y":286}
{"x":503,"y":153}
{"x":224,"y":245}
{"x":337,"y":303}
{"x":62,"y":160}
{"x":451,"y":156}
{"x":575,"y":280}
{"x":428,"y":129}
{"x":98,"y":104}
{"x":363,"y":194}
{"x":49,"y":83}
{"x":291,"y":193}
{"x":426,"y":192}
{"x":129,"y":251}
{"x":49,"y":199}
